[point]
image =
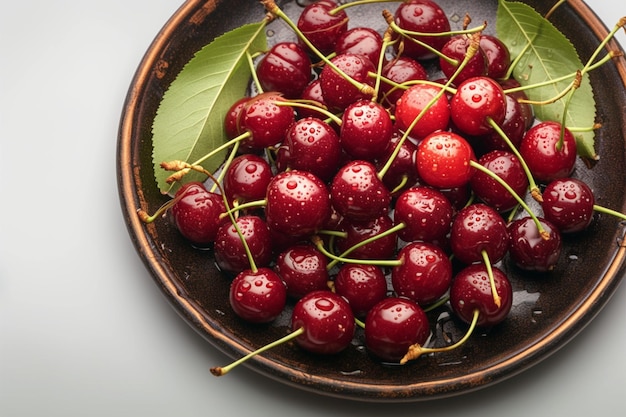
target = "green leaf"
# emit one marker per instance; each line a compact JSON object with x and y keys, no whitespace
{"x":190,"y":119}
{"x":547,"y":55}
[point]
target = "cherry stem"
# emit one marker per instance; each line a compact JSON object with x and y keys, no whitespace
{"x":534,"y":188}
{"x":304,"y":104}
{"x":415,"y":351}
{"x":494,"y":292}
{"x":605,"y":210}
{"x":272,"y":8}
{"x":246,"y":205}
{"x":146,"y":218}
{"x":364,"y":242}
{"x":253,"y":72}
{"x":223,"y":370}
{"x":319,"y":244}
{"x":229,"y":160}
{"x":437,"y":304}
{"x":358,"y":3}
{"x":545,"y":235}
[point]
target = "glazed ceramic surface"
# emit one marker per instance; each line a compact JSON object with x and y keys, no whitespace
{"x":548,"y":309}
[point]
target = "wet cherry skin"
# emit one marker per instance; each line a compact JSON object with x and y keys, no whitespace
{"x":443,"y":160}
{"x":303,"y":269}
{"x":362,"y":285}
{"x":471,"y":290}
{"x":327,"y":320}
{"x":568,"y":203}
{"x":258,"y":296}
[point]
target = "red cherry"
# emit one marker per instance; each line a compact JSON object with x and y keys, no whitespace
{"x":443,"y":160}
{"x":471,"y":290}
{"x":357,"y":193}
{"x":196,"y":213}
{"x":411,"y":104}
{"x":311,"y":145}
{"x":246,"y":178}
{"x":426,"y":214}
{"x":338,"y":91}
{"x":258,"y":296}
{"x":422,"y":16}
{"x":568,"y":203}
{"x":265,"y":120}
{"x":327,"y":321}
{"x":285,"y":68}
{"x":362,"y":285}
{"x":230,"y":254}
{"x":392,"y":326}
{"x":303,"y":269}
{"x":478,"y":101}
{"x":320,"y":27}
{"x":547,"y":156}
{"x":297,"y":203}
{"x":455,"y":49}
{"x":498,"y":56}
{"x":424,"y":275}
{"x":366,"y":130}
{"x":361,"y":41}
{"x":529,"y":250}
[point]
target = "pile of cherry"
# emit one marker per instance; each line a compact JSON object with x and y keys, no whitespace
{"x":365,"y":193}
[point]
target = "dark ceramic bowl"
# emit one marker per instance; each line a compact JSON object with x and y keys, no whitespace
{"x":549,"y":310}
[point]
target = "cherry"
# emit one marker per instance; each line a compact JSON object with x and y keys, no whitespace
{"x":297,"y":203}
{"x":392,"y":326}
{"x":424,"y":274}
{"x":519,"y":95}
{"x":257,"y":296}
{"x":401,"y":173}
{"x":311,"y":145}
{"x":196,"y":213}
{"x":423,"y":16}
{"x":358,"y":231}
{"x":479,"y":229}
{"x":338,"y":89}
{"x":265,"y":120}
{"x":454,"y":52}
{"x":362,"y":285}
{"x":313,"y":94}
{"x":285,"y":68}
{"x":497,"y":54}
{"x":321,"y":27}
{"x":443,"y":160}
{"x":568,"y":203}
{"x":505,"y":165}
{"x":513,"y":126}
{"x":361,"y":41}
{"x":549,"y":150}
{"x":326,"y":320}
{"x":246,"y":178}
{"x":229,"y":251}
{"x":357,"y":193}
{"x":400,"y":70}
{"x":529,"y":250}
{"x":303,"y":269}
{"x":471,"y":291}
{"x":366,"y":130}
{"x":426,"y":214}
{"x":231,"y":120}
{"x":417,"y":101}
{"x":477,"y":103}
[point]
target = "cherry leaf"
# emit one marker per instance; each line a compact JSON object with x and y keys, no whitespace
{"x":189,"y":122}
{"x":546,"y":55}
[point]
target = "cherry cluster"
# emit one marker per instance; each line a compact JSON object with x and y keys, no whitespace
{"x":366,"y":189}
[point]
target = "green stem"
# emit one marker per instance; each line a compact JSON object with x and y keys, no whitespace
{"x":219,"y":371}
{"x":534,"y":188}
{"x":319,"y":244}
{"x":364,"y":242}
{"x":605,"y":210}
{"x":492,"y":283}
{"x":416,"y":350}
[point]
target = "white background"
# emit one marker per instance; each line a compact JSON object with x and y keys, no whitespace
{"x":83,"y":329}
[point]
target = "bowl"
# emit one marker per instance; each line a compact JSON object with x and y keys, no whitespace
{"x":548,"y":311}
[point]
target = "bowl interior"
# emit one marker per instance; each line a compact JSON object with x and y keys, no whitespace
{"x":549,"y":309}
